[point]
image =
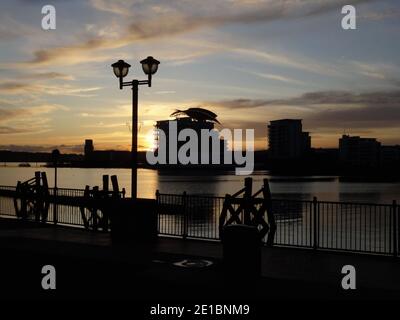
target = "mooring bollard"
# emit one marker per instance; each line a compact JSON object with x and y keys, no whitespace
{"x":242,"y":251}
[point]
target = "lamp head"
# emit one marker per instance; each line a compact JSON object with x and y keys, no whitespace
{"x":121,"y":69}
{"x":150,"y":67}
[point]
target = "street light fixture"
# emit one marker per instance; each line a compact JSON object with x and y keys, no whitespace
{"x":150,"y":67}
{"x":121,"y":69}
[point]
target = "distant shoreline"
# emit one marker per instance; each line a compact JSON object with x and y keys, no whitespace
{"x":275,"y":176}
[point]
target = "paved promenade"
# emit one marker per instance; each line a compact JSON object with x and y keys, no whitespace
{"x":88,"y":260}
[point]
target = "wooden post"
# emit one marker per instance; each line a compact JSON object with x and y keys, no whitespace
{"x":158,"y":204}
{"x":105,"y":184}
{"x":115,"y":186}
{"x":223,"y":215}
{"x":158,"y":196}
{"x":395,"y":229}
{"x":46,"y":198}
{"x":248,"y":184}
{"x":86,"y":195}
{"x":94,"y":207}
{"x":184,"y":216}
{"x":315,"y":223}
{"x":270,"y":215}
{"x":106,"y":206}
{"x":38,"y":199}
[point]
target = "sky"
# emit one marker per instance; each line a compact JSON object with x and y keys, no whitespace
{"x":249,"y":61}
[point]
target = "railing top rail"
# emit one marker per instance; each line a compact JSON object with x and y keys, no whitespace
{"x":190,"y":195}
{"x":50,"y":187}
{"x":356,"y":203}
{"x":284,"y":200}
{"x":200,"y":196}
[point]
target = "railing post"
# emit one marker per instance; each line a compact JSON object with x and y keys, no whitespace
{"x":158,"y":210}
{"x":315,"y":223}
{"x":248,"y":185}
{"x":55,"y":208}
{"x":185,"y":216}
{"x":395,"y":228}
{"x":95,"y":207}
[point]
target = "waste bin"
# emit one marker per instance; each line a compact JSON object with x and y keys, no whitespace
{"x":241,"y":251}
{"x":134,"y":221}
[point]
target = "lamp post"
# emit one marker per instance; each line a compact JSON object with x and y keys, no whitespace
{"x":121,"y":69}
{"x":55,"y":155}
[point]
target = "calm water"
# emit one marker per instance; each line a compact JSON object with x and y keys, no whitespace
{"x":210,"y":184}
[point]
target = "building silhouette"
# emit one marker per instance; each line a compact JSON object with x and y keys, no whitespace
{"x":196,"y":119}
{"x":105,"y":158}
{"x":89,"y":148}
{"x":359,"y":152}
{"x":390,"y":155}
{"x":286,"y":139}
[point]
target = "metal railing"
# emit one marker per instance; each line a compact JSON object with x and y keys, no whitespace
{"x":356,"y":227}
{"x":68,"y":212}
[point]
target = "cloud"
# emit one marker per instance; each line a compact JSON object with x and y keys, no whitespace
{"x":162,"y":19}
{"x":329,"y":109}
{"x":165,"y":92}
{"x":33,"y":119}
{"x":102,"y":125}
{"x":11,"y":130}
{"x":7,"y":114}
{"x":380,"y":71}
{"x":270,"y":76}
{"x":342,"y":98}
{"x":11,"y":29}
{"x":117,"y":6}
{"x":380,"y":16}
{"x":239,"y":103}
{"x":75,"y":148}
{"x":222,"y":11}
{"x":300,"y":63}
{"x":317,"y":98}
{"x":14,"y":87}
{"x":70,"y":55}
{"x":47,"y":76}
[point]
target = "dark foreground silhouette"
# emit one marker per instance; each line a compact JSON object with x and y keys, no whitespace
{"x":92,"y":269}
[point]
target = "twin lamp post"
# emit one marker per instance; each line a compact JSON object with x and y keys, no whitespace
{"x":121,"y":69}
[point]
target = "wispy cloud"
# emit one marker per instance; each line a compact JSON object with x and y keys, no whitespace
{"x":392,"y":13}
{"x":119,"y":111}
{"x":270,"y":76}
{"x":11,"y":29}
{"x":32,"y":119}
{"x":12,"y":130}
{"x":7,"y":113}
{"x":47,"y":76}
{"x":75,"y":148}
{"x":296,"y":62}
{"x":14,"y":87}
{"x":160,"y":19}
{"x":331,"y":108}
{"x":388,"y":73}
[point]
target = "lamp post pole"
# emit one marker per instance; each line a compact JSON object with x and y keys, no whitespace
{"x":55,"y":213}
{"x":135,"y":89}
{"x":55,"y":155}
